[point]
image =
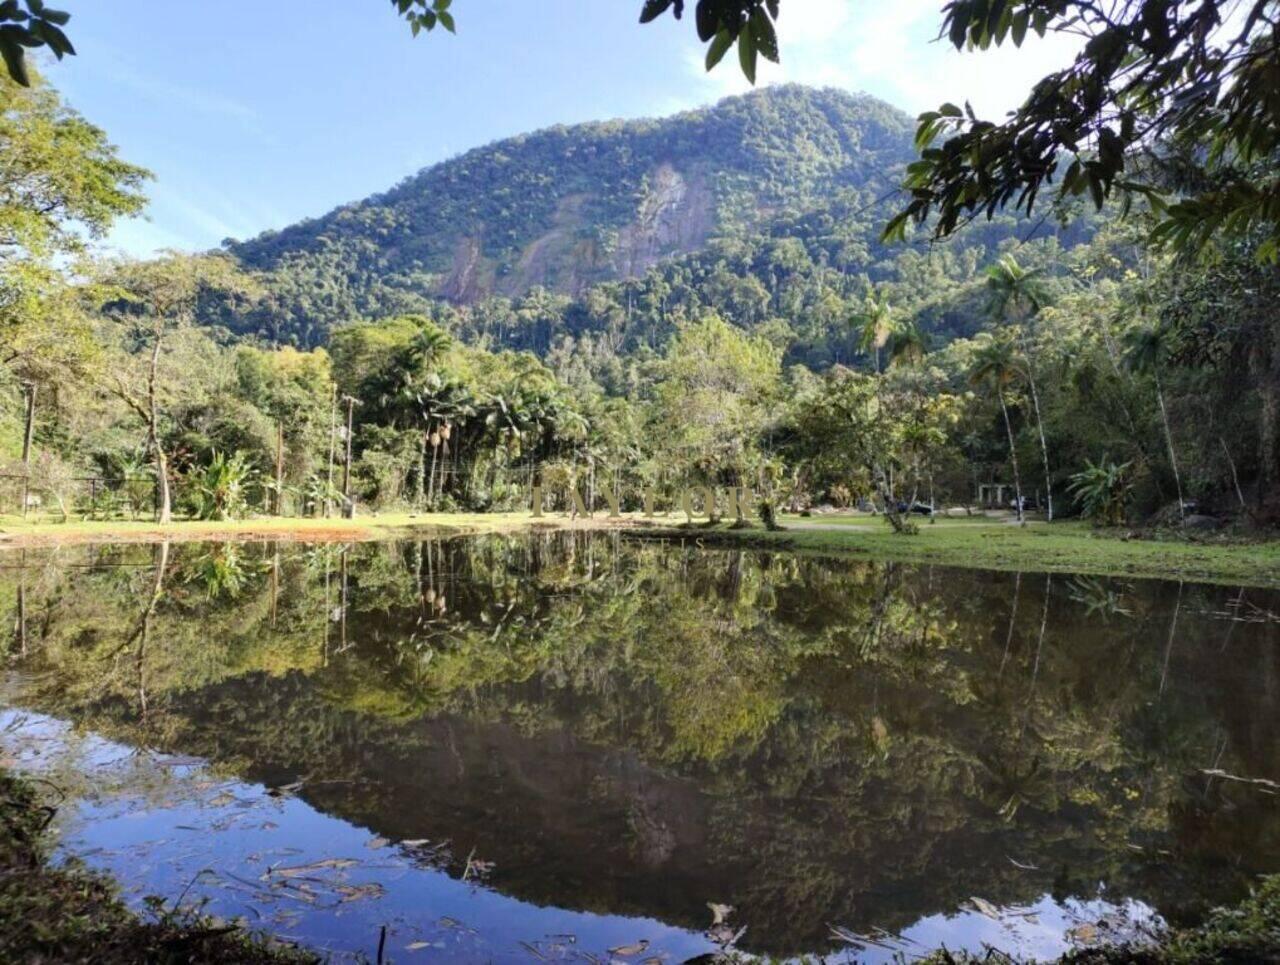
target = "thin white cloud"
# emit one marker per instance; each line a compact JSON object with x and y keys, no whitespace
{"x":889,"y":49}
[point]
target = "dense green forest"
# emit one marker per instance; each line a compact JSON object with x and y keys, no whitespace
{"x":702,"y":299}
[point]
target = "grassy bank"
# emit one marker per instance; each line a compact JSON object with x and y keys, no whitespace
{"x":1070,"y":546}
{"x":67,"y":914}
{"x":16,"y":532}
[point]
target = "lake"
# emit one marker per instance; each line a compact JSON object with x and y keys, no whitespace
{"x":581,"y":746}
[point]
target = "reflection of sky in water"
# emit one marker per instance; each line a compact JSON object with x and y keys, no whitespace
{"x":160,"y":826}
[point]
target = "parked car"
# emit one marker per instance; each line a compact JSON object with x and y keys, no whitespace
{"x":920,"y":509}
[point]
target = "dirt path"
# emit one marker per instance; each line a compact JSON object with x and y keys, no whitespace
{"x":75,"y":533}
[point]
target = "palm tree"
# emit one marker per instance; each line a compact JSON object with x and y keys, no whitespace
{"x":1015,"y":292}
{"x":907,"y":345}
{"x":994,"y":365}
{"x":1146,"y":349}
{"x":874,"y":324}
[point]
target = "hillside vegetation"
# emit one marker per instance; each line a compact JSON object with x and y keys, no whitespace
{"x":765,"y":205}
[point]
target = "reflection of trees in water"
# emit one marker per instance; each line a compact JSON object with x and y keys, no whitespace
{"x":645,"y":728}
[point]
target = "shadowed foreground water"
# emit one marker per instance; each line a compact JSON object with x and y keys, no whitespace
{"x":511,"y":748}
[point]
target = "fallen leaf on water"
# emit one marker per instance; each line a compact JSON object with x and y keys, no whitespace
{"x":303,"y":869}
{"x":628,"y":950}
{"x":360,"y":892}
{"x":984,"y":906}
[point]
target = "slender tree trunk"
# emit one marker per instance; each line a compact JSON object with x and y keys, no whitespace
{"x":433,"y":487}
{"x":279,"y":468}
{"x":348,"y":510}
{"x":333,"y":442}
{"x":1267,"y":371}
{"x":421,"y":496}
{"x":1044,"y":447}
{"x":27,"y":436}
{"x":1235,"y":479}
{"x":164,"y":502}
{"x":1013,"y":455}
{"x":1173,"y":458}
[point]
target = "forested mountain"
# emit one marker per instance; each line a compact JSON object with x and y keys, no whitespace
{"x":753,"y":193}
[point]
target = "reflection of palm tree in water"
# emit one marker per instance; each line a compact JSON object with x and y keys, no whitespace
{"x":1021,"y":779}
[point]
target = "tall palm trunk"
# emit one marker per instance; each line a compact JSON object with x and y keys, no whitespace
{"x":1173,"y":458}
{"x":1044,"y":448}
{"x":1013,"y":455}
{"x":433,"y":484}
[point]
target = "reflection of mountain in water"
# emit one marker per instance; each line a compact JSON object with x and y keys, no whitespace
{"x":639,"y":729}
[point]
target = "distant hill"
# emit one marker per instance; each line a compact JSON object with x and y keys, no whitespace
{"x":568,"y":208}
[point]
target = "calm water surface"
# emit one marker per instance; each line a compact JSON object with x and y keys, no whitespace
{"x":577,"y":746}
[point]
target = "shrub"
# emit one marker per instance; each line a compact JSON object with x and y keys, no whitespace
{"x":1102,"y":491}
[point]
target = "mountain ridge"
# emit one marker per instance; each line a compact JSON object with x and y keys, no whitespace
{"x":765,"y":208}
{"x":569,"y":206}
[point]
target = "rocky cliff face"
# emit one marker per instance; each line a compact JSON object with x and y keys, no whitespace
{"x":676,"y":215}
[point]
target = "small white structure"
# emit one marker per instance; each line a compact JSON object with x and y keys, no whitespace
{"x":991,"y":495}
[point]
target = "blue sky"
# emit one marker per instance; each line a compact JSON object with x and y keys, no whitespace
{"x":273,"y":111}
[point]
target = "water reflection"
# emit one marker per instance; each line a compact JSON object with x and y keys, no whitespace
{"x":582,"y":724}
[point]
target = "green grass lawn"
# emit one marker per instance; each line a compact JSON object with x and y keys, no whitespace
{"x":1069,"y":546}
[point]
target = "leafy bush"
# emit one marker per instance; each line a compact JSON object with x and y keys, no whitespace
{"x":1102,"y":489}
{"x":220,"y":489}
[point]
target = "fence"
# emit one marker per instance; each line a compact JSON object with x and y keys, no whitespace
{"x":80,"y":495}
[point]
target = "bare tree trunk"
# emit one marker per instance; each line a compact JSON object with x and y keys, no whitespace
{"x":279,"y":469}
{"x":164,"y":502}
{"x":26,"y":447}
{"x":432,"y":485}
{"x":420,"y":496}
{"x":1173,"y":458}
{"x":1013,"y":455}
{"x":333,"y":441}
{"x":1044,"y":448}
{"x":1235,"y":479}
